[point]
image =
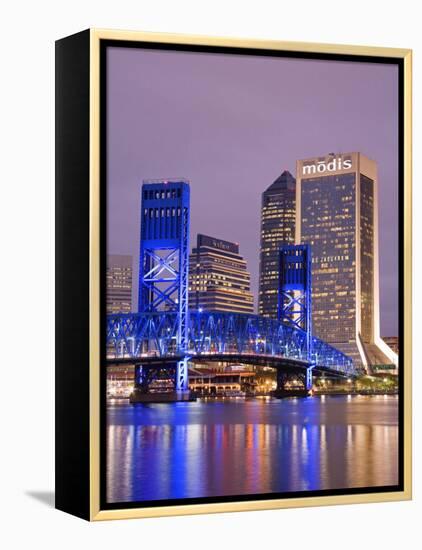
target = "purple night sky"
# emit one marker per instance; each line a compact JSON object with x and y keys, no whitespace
{"x":230,"y":125}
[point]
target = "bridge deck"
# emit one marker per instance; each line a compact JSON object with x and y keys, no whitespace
{"x":272,"y":361}
{"x":152,"y":338}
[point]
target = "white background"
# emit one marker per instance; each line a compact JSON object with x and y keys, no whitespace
{"x":28,"y":31}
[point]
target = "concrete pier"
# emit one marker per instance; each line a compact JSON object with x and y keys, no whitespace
{"x":161,"y":397}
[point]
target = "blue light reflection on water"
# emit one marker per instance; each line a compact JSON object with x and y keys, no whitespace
{"x":235,"y":447}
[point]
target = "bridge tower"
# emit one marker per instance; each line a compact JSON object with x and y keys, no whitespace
{"x":295,"y":298}
{"x":163,"y":267}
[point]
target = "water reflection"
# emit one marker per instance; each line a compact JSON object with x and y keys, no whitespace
{"x":211,"y":448}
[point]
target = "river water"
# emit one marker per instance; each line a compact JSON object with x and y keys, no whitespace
{"x":250,"y":446}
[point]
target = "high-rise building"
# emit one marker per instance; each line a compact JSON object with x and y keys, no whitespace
{"x":119,"y":283}
{"x":218,"y":277}
{"x":277,"y":228}
{"x":337,"y":214}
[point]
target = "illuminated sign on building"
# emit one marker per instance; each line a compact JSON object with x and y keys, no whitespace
{"x":327,"y":165}
{"x":204,"y":240}
{"x":337,"y":214}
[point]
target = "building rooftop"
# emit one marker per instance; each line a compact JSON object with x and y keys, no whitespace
{"x":284,"y":181}
{"x":217,"y":244}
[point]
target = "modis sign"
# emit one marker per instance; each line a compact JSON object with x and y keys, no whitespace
{"x":326,"y":166}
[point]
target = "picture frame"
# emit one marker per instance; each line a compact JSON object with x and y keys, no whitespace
{"x":84,"y":157}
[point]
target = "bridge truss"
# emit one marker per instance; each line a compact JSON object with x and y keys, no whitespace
{"x":144,"y":336}
{"x":164,"y":265}
{"x":295,"y":300}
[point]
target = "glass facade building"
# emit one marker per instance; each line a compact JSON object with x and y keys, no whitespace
{"x":337,"y":215}
{"x":218,"y":277}
{"x":119,"y":283}
{"x":278,"y":210}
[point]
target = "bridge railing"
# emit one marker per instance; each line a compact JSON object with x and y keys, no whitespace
{"x":138,"y":335}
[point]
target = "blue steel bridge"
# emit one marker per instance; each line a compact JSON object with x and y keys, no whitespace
{"x":165,"y":336}
{"x":151,"y":339}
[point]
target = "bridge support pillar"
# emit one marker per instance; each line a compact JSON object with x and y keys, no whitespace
{"x":308,"y":379}
{"x":282,"y":378}
{"x":141,"y":379}
{"x":289,"y":390}
{"x":146,"y":375}
{"x":181,"y":382}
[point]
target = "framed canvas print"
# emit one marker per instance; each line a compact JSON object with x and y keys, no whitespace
{"x":233,"y":274}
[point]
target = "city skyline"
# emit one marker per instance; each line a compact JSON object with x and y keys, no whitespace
{"x":221,"y":172}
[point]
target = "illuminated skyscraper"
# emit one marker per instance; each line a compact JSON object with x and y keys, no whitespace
{"x":337,"y":213}
{"x":277,"y":228}
{"x":218,"y":277}
{"x":119,"y":283}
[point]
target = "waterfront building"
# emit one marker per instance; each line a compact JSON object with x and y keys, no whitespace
{"x":392,"y":342}
{"x":119,"y":283}
{"x":277,"y":228}
{"x":120,"y":381}
{"x":337,"y":214}
{"x":204,"y":381}
{"x":218,"y":277}
{"x":208,"y":382}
